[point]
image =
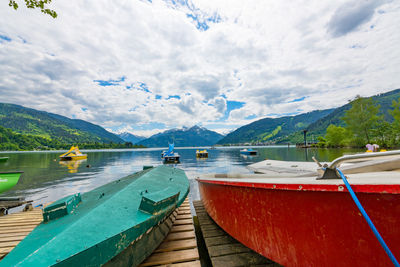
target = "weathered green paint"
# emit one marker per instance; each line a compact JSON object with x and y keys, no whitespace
{"x":61,"y":207}
{"x":105,"y":223}
{"x":8,"y":180}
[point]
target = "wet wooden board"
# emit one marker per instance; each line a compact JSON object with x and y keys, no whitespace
{"x":15,"y":227}
{"x":223,"y":249}
{"x":179,"y":248}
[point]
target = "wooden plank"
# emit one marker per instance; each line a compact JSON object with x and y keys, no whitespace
{"x":23,"y":223}
{"x":227,"y":249}
{"x":240,"y":259}
{"x":9,"y":244}
{"x":183,"y":221}
{"x":21,"y":233}
{"x":20,"y":228}
{"x":182,"y":228}
{"x":12,"y":238}
{"x":177,"y":245}
{"x":180,"y":235}
{"x":183,"y":264}
{"x":4,"y":231}
{"x":171,"y":257}
{"x":219,"y":240}
{"x":213,"y":233}
{"x":6,"y":250}
{"x":184,"y":212}
{"x":184,"y":216}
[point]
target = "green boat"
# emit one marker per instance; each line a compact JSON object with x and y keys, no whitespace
{"x":3,"y":159}
{"x":8,"y":180}
{"x":119,"y":223}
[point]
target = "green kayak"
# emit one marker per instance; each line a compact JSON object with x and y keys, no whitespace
{"x":119,"y":223}
{"x":3,"y":159}
{"x":8,"y":180}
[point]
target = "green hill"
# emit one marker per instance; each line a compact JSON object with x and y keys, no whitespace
{"x":194,"y":136}
{"x":51,"y":126}
{"x":318,"y":128}
{"x":270,"y":130}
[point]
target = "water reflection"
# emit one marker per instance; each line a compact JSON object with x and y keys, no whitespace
{"x":72,"y":165}
{"x":46,"y":179}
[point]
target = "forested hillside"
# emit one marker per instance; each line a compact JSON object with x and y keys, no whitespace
{"x":273,"y":129}
{"x":50,"y":126}
{"x":318,"y":128}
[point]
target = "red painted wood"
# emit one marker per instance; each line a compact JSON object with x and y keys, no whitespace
{"x":366,"y":188}
{"x":306,"y":228}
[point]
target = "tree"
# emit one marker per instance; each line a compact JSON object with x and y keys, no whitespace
{"x":35,"y":4}
{"x":335,"y":135}
{"x":361,"y":118}
{"x":395,"y":112}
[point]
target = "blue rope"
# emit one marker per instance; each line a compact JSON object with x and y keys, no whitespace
{"x":371,"y":225}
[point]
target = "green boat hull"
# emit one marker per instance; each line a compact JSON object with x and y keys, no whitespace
{"x":118,"y":219}
{"x":3,"y":159}
{"x":8,"y":180}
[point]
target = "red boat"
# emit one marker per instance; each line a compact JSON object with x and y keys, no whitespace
{"x":300,"y":218}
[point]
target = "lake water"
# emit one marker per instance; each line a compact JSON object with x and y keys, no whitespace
{"x":46,"y":179}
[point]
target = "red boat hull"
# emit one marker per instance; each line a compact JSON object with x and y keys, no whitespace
{"x":305,"y":228}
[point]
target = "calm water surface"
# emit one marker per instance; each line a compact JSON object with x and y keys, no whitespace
{"x":46,"y":179}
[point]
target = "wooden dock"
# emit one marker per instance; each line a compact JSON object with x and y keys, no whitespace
{"x":14,"y":227}
{"x":224,"y":250}
{"x":179,"y":248}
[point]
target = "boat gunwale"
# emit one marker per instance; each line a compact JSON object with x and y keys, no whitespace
{"x":316,"y":187}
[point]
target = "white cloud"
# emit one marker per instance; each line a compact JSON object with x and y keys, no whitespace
{"x":265,"y":54}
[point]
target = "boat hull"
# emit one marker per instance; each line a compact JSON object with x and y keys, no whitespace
{"x":97,"y":227}
{"x":3,"y":159}
{"x":305,"y":228}
{"x":8,"y":180}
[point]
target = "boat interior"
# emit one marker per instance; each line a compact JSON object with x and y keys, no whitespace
{"x":382,"y":166}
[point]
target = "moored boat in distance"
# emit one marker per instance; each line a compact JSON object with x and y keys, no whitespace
{"x":202,"y":153}
{"x":170,"y":156}
{"x":3,"y":159}
{"x":9,"y":180}
{"x":119,"y":223}
{"x":299,"y":216}
{"x":73,"y":154}
{"x":249,"y":151}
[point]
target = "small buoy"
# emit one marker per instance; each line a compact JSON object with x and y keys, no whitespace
{"x":88,"y":166}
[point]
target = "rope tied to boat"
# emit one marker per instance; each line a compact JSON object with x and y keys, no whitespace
{"x":366,"y":217}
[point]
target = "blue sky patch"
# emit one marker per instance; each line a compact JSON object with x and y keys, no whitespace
{"x":84,"y":109}
{"x":110,"y":82}
{"x":298,"y":99}
{"x":139,"y":86}
{"x":158,"y":97}
{"x":4,"y":38}
{"x":231,"y":105}
{"x":173,"y":96}
{"x":250,"y":117}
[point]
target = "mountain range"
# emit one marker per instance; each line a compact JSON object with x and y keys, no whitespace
{"x":194,"y":136}
{"x":128,"y":137}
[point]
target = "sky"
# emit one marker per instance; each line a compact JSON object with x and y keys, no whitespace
{"x":147,"y":66}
